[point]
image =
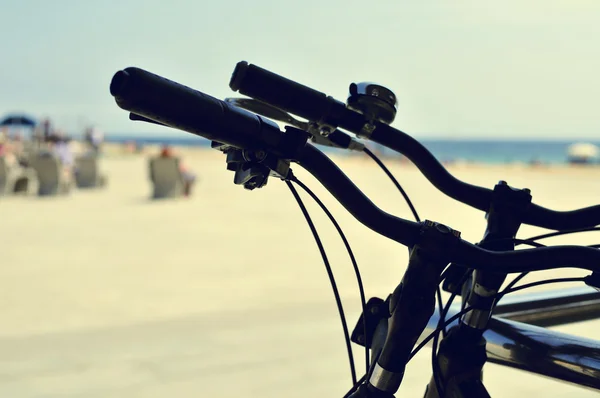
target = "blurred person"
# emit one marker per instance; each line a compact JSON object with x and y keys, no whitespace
{"x":46,"y":129}
{"x":6,"y":152}
{"x":3,"y":132}
{"x":59,"y":147}
{"x":94,"y":137}
{"x":17,"y":142}
{"x":18,"y":148}
{"x":3,"y":143}
{"x":188,"y":176}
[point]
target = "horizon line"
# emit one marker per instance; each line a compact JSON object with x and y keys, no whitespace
{"x":190,"y":136}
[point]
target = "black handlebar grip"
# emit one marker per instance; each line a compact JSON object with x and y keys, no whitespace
{"x":279,"y":91}
{"x":180,"y":107}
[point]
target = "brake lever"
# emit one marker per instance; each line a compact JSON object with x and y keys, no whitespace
{"x":320,"y":134}
{"x":140,"y":118}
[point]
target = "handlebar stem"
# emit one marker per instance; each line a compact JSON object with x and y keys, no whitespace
{"x":462,"y":353}
{"x":507,"y":209}
{"x":412,"y":304}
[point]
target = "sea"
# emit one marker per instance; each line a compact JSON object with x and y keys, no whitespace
{"x":467,"y":150}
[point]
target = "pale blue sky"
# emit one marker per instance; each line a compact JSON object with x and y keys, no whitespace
{"x":475,"y":68}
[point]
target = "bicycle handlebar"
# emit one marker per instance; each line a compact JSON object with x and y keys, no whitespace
{"x":181,"y":107}
{"x":407,"y":232}
{"x":313,"y":105}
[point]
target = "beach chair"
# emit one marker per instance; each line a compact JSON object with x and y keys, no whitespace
{"x":87,"y":174}
{"x":51,"y":179}
{"x":16,"y":180}
{"x":167,"y":180}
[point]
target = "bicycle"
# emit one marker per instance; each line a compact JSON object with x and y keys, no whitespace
{"x":484,"y":328}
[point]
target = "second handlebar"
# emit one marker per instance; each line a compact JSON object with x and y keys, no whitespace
{"x":303,"y":101}
{"x":407,"y":232}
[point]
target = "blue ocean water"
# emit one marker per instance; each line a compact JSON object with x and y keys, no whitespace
{"x":481,"y":151}
{"x":501,"y":151}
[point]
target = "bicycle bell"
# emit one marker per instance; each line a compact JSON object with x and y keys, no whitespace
{"x":376,"y":102}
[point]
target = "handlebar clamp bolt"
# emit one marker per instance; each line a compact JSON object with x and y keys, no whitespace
{"x":254,"y":156}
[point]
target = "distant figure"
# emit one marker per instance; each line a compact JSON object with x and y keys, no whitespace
{"x":94,"y":137}
{"x":10,"y":151}
{"x":3,"y":133}
{"x":18,"y":149}
{"x":46,"y":129}
{"x":14,"y":165}
{"x":188,"y":176}
{"x":6,"y":151}
{"x":3,"y":146}
{"x":17,"y":142}
{"x":59,"y":147}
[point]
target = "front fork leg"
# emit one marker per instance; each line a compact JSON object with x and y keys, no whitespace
{"x":461,"y":358}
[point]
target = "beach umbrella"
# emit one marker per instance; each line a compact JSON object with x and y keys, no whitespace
{"x":582,"y":152}
{"x":18,"y":121}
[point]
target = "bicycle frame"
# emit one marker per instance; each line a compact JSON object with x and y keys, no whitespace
{"x":529,"y":347}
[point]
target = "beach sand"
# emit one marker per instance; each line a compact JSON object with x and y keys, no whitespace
{"x":105,"y":293}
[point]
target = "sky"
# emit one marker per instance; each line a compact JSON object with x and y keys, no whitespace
{"x":460,"y":68}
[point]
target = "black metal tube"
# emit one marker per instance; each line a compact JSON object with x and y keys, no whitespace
{"x":562,"y":220}
{"x":472,"y":195}
{"x":314,"y":105}
{"x":356,"y":202}
{"x":175,"y":105}
{"x":545,"y":352}
{"x":551,"y":308}
{"x":538,"y":259}
{"x":407,"y":232}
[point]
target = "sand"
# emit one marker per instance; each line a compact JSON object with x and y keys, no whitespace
{"x":105,"y":293}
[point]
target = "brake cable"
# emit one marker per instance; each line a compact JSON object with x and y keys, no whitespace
{"x":464,"y":311}
{"x":361,"y":290}
{"x":441,"y":326}
{"x":532,"y":242}
{"x":348,"y":248}
{"x":498,"y":296}
{"x":336,"y":293}
{"x":565,"y":232}
{"x":408,"y":202}
{"x":518,"y":278}
{"x":442,"y":310}
{"x":396,"y":183}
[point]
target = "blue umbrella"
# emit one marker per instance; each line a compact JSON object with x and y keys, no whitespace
{"x":18,"y":120}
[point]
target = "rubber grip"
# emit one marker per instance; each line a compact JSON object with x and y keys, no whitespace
{"x":279,"y":91}
{"x":180,"y":107}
